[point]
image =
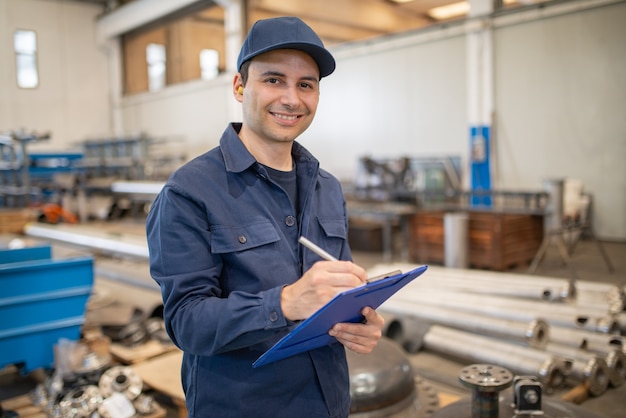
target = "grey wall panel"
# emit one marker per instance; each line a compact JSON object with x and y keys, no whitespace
{"x":560,"y":86}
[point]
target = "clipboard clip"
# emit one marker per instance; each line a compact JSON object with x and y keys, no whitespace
{"x":382,"y":276}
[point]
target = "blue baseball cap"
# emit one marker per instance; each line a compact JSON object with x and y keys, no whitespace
{"x":286,"y":33}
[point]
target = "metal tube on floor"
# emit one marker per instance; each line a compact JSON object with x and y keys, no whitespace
{"x":593,"y":372}
{"x":585,"y":339}
{"x":550,"y":370}
{"x":504,"y":284}
{"x":91,"y":239}
{"x":535,"y":333}
{"x":553,"y":314}
{"x":616,"y":360}
{"x":586,"y":367}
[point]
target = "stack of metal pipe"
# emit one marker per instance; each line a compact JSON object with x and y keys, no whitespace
{"x":559,"y":330}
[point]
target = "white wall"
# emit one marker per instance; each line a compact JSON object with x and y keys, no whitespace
{"x":560,"y":95}
{"x":193,"y":113}
{"x":392,"y":101}
{"x":72,"y":100}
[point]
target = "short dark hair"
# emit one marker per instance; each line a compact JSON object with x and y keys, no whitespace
{"x":244,"y":72}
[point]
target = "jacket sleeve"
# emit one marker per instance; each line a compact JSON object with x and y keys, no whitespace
{"x":199,"y":318}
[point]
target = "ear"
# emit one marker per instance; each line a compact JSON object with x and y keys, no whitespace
{"x":238,"y":87}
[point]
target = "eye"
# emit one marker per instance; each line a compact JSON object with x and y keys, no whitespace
{"x":272,"y":80}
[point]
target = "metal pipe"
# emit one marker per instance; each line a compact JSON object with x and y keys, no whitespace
{"x":486,"y":381}
{"x":512,"y":290}
{"x":586,"y":340}
{"x":620,"y":319}
{"x":553,"y":314}
{"x":593,"y":372}
{"x":586,"y":367}
{"x":550,"y":370}
{"x":406,"y":331}
{"x":438,"y":273}
{"x":509,"y":284}
{"x":616,"y":360}
{"x":535,"y":333}
{"x":91,"y":239}
{"x":415,"y":291}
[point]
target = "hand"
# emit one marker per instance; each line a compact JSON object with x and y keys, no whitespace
{"x":317,"y":286}
{"x":360,"y":338}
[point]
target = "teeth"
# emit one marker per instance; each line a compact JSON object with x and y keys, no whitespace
{"x":285,"y":117}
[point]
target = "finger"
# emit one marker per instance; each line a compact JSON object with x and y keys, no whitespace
{"x":342,"y":274}
{"x":372,"y":317}
{"x":356,"y":347}
{"x":362,"y":334}
{"x":357,"y":342}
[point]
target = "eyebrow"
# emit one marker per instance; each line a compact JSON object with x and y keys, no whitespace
{"x":278,"y":74}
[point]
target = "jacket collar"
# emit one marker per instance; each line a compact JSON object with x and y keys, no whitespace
{"x":238,"y":159}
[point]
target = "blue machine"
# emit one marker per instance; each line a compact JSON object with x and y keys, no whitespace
{"x":42,"y":300}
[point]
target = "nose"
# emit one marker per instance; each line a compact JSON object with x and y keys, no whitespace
{"x":290,"y":97}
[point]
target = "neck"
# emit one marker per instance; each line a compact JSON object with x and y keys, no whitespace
{"x":276,"y":155}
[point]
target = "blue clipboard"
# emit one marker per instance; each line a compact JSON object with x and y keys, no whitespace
{"x":345,"y":307}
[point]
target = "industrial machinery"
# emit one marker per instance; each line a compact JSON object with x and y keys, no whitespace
{"x":488,"y":381}
{"x":407,"y":178}
{"x":383,"y":384}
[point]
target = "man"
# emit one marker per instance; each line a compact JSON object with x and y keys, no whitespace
{"x":223,"y":238}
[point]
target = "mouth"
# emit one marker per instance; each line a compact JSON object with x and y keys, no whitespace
{"x":287,"y":118}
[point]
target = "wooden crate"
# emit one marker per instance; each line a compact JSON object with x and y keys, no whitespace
{"x":497,"y":241}
{"x":426,"y":237}
{"x":500,"y":241}
{"x":12,"y":221}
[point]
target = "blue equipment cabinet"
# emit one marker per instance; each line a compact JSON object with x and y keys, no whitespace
{"x":42,"y":300}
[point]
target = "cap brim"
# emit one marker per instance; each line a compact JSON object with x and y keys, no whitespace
{"x":323,"y":58}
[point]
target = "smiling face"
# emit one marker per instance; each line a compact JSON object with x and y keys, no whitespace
{"x":280,"y":97}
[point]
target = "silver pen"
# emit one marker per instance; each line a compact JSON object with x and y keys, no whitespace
{"x":326,"y":256}
{"x":317,"y":250}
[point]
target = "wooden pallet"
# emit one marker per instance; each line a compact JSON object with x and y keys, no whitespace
{"x":162,"y":374}
{"x":134,"y":355}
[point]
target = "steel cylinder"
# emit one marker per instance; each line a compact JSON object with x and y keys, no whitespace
{"x":550,"y":370}
{"x":523,"y":310}
{"x":553,"y":218}
{"x":486,"y":382}
{"x":456,"y":239}
{"x":534,"y":333}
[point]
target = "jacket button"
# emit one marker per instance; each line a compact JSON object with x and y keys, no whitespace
{"x":290,"y":220}
{"x":242,"y":239}
{"x":273,"y":316}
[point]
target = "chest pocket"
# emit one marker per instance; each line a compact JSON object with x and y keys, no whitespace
{"x":334,"y":227}
{"x":228,"y":239}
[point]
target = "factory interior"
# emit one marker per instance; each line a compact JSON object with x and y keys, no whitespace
{"x":482,"y":140}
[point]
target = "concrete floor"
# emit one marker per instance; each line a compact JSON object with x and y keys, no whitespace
{"x":441,"y":372}
{"x":587,"y":264}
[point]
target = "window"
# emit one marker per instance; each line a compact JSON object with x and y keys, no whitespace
{"x":176,"y":50}
{"x":155,"y":57}
{"x":25,"y":45}
{"x":209,"y":63}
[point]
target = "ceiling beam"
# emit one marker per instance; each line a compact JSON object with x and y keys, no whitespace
{"x":331,"y":33}
{"x":371,"y":15}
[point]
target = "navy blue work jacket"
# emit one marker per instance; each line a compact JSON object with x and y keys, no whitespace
{"x":223,"y":240}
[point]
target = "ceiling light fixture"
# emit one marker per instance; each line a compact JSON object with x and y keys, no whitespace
{"x":450,"y":10}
